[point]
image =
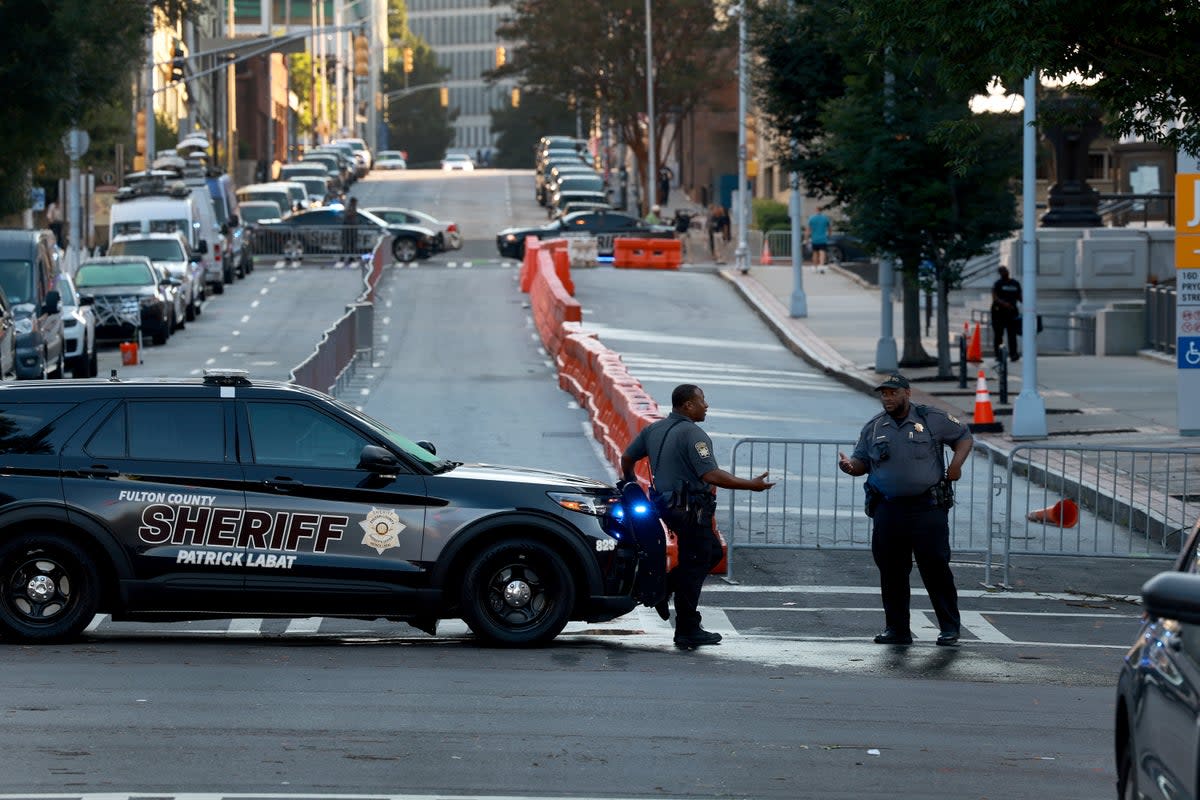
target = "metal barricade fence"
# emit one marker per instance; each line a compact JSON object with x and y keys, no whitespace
{"x":814,"y":505}
{"x":1160,"y":318}
{"x":1086,"y":501}
{"x":315,"y":242}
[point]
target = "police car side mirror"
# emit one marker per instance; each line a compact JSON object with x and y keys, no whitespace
{"x":376,"y":459}
{"x":428,"y":446}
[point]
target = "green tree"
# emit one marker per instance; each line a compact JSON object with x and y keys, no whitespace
{"x":1143,"y":52}
{"x":871,"y":142}
{"x":417,"y":122}
{"x":518,"y":129}
{"x":63,"y":60}
{"x":693,"y":52}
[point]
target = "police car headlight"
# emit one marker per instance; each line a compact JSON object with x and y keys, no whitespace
{"x":510,"y":237}
{"x":582,"y":503}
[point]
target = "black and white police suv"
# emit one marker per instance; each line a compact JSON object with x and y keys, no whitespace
{"x":226,"y":497}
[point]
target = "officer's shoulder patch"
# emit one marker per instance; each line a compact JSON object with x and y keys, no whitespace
{"x":702,"y":449}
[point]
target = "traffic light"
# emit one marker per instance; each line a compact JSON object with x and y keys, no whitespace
{"x":501,"y":54}
{"x":139,"y":134}
{"x":516,"y":97}
{"x":178,"y":61}
{"x":362,"y":56}
{"x":408,"y":60}
{"x":444,"y":94}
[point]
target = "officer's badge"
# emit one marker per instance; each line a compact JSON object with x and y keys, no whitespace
{"x":382,"y":529}
{"x":954,"y":419}
{"x":702,"y":449}
{"x":920,"y":428}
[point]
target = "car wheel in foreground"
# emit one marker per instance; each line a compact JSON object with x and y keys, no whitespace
{"x":1126,"y":774}
{"x":49,"y":590}
{"x":517,"y":592}
{"x":404,"y":250}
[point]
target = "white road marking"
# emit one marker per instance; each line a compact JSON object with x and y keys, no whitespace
{"x":245,"y":627}
{"x":278,"y":795}
{"x":254,"y":303}
{"x":972,"y":593}
{"x":306,"y":625}
{"x":235,"y":333}
{"x":983,"y":630}
{"x":224,"y":349}
{"x":629,"y":335}
{"x":245,"y":319}
{"x":96,"y":622}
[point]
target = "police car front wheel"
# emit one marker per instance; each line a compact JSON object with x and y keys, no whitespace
{"x":50,"y":588}
{"x":517,"y":592}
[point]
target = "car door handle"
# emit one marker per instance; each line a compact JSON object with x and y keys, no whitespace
{"x":282,"y":484}
{"x":99,"y":471}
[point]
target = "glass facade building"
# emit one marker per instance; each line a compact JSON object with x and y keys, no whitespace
{"x":463,"y":35}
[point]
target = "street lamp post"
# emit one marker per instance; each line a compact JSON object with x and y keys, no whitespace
{"x":1029,"y":410}
{"x":741,"y":255}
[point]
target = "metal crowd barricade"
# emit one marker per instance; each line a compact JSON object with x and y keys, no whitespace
{"x":1086,"y":501}
{"x":1101,"y":501}
{"x":315,"y":242}
{"x":814,"y":505}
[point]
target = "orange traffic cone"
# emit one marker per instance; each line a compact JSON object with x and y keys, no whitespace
{"x":984,"y":420}
{"x":975,"y":348}
{"x":1064,"y":514}
{"x":765,"y":259}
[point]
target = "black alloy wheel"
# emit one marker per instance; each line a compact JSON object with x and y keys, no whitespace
{"x":49,"y":588}
{"x":404,"y":249}
{"x":517,"y":593}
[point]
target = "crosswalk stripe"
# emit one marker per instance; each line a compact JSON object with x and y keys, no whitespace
{"x":983,"y":630}
{"x":305,"y":625}
{"x":245,"y":627}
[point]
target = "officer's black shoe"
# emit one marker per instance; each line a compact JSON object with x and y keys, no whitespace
{"x":948,"y":637}
{"x":664,"y":608}
{"x":890,"y":636}
{"x":697,"y":639}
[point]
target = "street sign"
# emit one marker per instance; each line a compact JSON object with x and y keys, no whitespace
{"x":1187,"y":300}
{"x":37,"y":199}
{"x":75,"y":143}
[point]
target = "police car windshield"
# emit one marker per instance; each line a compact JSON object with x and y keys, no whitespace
{"x":411,"y":448}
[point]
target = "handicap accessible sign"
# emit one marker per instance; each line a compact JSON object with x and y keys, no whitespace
{"x":1189,"y":352}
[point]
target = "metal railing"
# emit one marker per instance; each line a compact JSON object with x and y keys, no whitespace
{"x":1118,"y":210}
{"x":315,"y":242}
{"x":1088,"y":501}
{"x":1160,"y":318}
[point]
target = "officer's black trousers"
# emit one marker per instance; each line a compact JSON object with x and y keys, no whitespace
{"x":699,"y":552}
{"x":904,"y":530}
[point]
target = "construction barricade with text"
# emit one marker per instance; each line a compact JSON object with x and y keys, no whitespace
{"x":647,"y":253}
{"x":1065,"y":501}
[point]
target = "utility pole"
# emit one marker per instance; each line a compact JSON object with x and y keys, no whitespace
{"x":651,"y":149}
{"x":741,"y":256}
{"x":1029,"y":410}
{"x":886,"y":359}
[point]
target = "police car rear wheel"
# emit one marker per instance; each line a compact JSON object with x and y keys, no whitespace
{"x":517,"y":593}
{"x":50,"y":589}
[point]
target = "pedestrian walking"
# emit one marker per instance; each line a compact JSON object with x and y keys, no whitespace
{"x":818,"y":237}
{"x":1006,"y":314}
{"x":718,"y":231}
{"x":685,"y":473}
{"x":665,"y":176}
{"x":54,"y":221}
{"x":909,"y":492}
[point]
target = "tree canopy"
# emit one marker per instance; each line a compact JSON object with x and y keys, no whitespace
{"x":592,"y":54}
{"x":63,"y":59}
{"x":1142,"y":53}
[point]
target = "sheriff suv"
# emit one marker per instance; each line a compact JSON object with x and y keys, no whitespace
{"x":222,"y":496}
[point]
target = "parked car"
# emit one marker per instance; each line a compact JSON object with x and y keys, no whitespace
{"x":8,"y":339}
{"x":1158,"y":690}
{"x":390,"y":159}
{"x":79,"y":329}
{"x":170,"y":251}
{"x":128,"y":293}
{"x":457,"y":161}
{"x":28,"y":267}
{"x":359,"y":146}
{"x":448,"y":236}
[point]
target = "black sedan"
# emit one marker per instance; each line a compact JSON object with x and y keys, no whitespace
{"x":128,"y":292}
{"x":606,"y":226}
{"x":1158,"y":691}
{"x":324,"y":231}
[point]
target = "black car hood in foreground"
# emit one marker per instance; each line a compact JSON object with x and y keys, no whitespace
{"x":552,"y":480}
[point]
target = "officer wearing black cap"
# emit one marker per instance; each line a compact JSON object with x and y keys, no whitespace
{"x":901,"y":450}
{"x":685,"y":470}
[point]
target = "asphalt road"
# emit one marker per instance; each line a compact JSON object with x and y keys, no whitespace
{"x":796,"y":702}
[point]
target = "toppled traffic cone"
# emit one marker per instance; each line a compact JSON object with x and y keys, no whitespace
{"x":765,"y":259}
{"x":1063,"y":514}
{"x":975,"y":348}
{"x":984,"y":420}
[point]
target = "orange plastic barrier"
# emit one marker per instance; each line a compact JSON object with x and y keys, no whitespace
{"x":647,"y":253}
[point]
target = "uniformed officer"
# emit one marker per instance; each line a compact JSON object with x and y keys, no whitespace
{"x":685,"y":469}
{"x":901,"y":451}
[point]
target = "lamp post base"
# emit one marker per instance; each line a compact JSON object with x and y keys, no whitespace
{"x":1029,"y":416}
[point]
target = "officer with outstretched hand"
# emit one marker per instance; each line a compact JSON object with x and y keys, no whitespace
{"x":909,"y":495}
{"x":685,"y":472}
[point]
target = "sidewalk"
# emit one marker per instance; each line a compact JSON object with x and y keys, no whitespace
{"x":1110,"y":400}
